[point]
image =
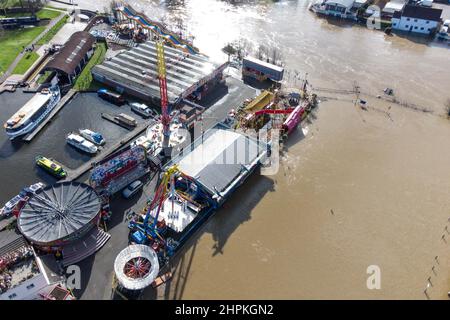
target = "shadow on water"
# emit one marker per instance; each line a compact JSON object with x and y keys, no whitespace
{"x":222,"y":225}
{"x":9,"y":148}
{"x":229,"y":217}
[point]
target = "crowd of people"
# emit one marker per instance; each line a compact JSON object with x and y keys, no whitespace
{"x":11,"y":259}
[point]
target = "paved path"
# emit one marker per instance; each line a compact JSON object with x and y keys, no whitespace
{"x":20,"y":56}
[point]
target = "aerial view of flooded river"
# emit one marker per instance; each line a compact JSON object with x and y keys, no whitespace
{"x":360,"y":188}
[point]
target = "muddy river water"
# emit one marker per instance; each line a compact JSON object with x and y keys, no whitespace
{"x":361,"y":188}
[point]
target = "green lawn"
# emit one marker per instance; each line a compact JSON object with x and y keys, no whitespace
{"x":25,"y":63}
{"x":47,"y":14}
{"x":85,"y":81}
{"x":12,"y":43}
{"x":56,"y":8}
{"x":54,"y":30}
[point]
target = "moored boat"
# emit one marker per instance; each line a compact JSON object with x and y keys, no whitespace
{"x":81,"y":143}
{"x":32,"y":113}
{"x":94,"y":137}
{"x":50,"y":165}
{"x":111,"y":96}
{"x":142,"y":109}
{"x":22,"y":197}
{"x":126,"y":119}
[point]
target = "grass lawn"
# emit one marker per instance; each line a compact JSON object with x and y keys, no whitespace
{"x":47,"y":14}
{"x":25,"y":63}
{"x":54,"y":30}
{"x":12,"y":43}
{"x":56,"y":8}
{"x":85,"y":81}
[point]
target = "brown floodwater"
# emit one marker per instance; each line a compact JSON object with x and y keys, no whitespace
{"x":359,"y":188}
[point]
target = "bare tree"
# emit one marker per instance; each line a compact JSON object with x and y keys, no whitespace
{"x":447,"y":107}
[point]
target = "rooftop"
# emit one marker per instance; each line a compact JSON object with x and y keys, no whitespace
{"x":220,"y":159}
{"x":420,"y":12}
{"x":58,"y":211}
{"x":278,"y":68}
{"x":394,"y":6}
{"x":137,"y":69}
{"x":73,"y":51}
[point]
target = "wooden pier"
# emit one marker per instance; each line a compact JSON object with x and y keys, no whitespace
{"x":106,"y":152}
{"x":57,"y":108}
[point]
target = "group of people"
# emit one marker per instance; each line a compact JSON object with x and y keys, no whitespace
{"x":11,"y":259}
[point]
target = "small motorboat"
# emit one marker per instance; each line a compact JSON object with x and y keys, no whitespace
{"x":81,"y":143}
{"x":50,"y":165}
{"x":126,"y":120}
{"x":22,"y":197}
{"x":94,"y":137}
{"x":142,"y":110}
{"x":34,"y":188}
{"x":115,"y":98}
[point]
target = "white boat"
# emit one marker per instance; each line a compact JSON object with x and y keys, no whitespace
{"x":22,"y":196}
{"x":34,"y":188}
{"x":81,"y":143}
{"x":94,"y":137}
{"x":142,"y":109}
{"x":32,"y":113}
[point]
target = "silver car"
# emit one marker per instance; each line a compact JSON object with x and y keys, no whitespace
{"x":132,"y":189}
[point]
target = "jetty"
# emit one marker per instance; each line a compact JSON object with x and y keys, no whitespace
{"x":106,"y":152}
{"x":57,"y":108}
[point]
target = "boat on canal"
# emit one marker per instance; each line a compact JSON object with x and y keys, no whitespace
{"x":112,"y":97}
{"x":50,"y":165}
{"x":81,"y":143}
{"x":32,"y":113}
{"x":126,"y":119}
{"x":142,"y":109}
{"x":19,"y":199}
{"x":94,"y":137}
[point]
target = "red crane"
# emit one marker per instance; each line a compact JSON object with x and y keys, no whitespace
{"x":165,"y":117}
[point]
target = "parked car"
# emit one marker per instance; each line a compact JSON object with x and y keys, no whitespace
{"x":132,"y":189}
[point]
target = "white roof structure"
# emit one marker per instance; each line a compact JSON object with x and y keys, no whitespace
{"x":392,"y":6}
{"x":29,"y":109}
{"x":201,"y":156}
{"x":344,"y":3}
{"x":136,"y":267}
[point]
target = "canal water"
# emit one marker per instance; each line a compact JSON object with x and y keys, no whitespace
{"x":17,"y":157}
{"x":362,"y":188}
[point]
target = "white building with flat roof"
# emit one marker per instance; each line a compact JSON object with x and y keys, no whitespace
{"x":417,"y":19}
{"x":392,"y":6}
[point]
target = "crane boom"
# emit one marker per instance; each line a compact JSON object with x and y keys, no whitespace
{"x":165,"y":118}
